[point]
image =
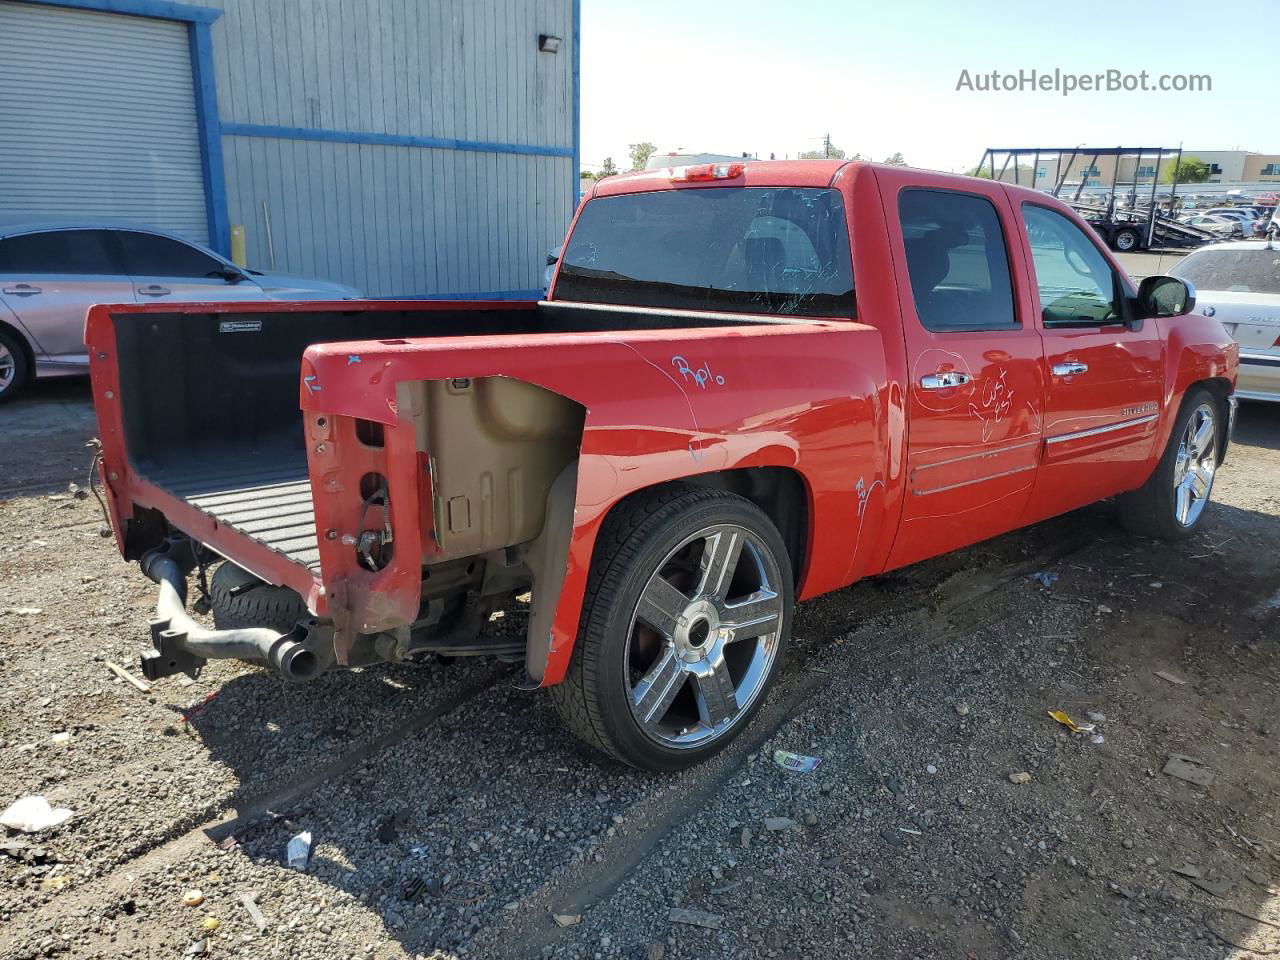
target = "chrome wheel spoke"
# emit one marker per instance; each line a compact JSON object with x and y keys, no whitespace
{"x":1183,"y":508}
{"x":1202,"y":440}
{"x":652,"y":696}
{"x":714,"y":691}
{"x":661,"y":604}
{"x":1199,"y":483}
{"x":720,"y":554}
{"x":759,"y":614}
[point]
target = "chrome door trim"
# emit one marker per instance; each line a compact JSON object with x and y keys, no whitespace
{"x":990,"y":452}
{"x":1095,"y":431}
{"x":968,"y":483}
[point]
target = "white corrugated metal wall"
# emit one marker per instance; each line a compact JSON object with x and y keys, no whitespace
{"x":297,"y":82}
{"x":404,"y":146}
{"x":98,"y":119}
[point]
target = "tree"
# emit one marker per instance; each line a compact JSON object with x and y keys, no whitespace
{"x":640,"y":154}
{"x":827,"y":150}
{"x":1025,"y":175}
{"x":895,"y":160}
{"x":1187,"y":170}
{"x":607,"y":169}
{"x":586,"y":175}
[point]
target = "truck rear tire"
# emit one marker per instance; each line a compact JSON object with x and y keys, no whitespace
{"x":1171,"y":504}
{"x":688,"y":611}
{"x":239,"y":599}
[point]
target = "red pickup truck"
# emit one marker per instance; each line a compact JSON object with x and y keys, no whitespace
{"x":750,"y":384}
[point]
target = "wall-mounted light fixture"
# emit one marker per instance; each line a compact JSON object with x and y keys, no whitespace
{"x":548,"y":44}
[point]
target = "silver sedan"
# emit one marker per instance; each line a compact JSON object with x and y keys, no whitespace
{"x":50,"y":274}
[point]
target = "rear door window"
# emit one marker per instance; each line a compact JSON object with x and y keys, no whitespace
{"x":77,"y":252}
{"x":771,"y":250}
{"x":956,"y":261}
{"x":150,"y":255}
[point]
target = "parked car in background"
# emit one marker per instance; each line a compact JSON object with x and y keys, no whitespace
{"x":1238,"y":283}
{"x":50,"y":274}
{"x":1246,"y":216}
{"x":1223,"y":226}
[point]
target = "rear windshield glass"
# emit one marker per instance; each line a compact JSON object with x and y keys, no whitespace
{"x":1238,"y":271}
{"x":778,"y":250}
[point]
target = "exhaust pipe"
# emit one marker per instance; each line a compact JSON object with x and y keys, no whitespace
{"x":183,"y":646}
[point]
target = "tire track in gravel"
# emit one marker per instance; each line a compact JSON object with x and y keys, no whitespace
{"x":529,"y":929}
{"x":174,"y":843}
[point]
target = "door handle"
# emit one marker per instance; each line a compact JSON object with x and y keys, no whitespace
{"x":22,"y":290}
{"x":155,"y":290}
{"x":1070,"y":368}
{"x":944,"y":379}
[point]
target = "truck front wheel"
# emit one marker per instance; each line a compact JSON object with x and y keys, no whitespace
{"x":1173,"y":500}
{"x":688,"y":611}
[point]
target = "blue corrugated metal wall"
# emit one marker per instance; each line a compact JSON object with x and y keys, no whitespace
{"x":404,"y":146}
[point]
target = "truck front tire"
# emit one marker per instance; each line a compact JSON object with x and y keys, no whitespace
{"x":687,"y":614}
{"x":1171,"y":504}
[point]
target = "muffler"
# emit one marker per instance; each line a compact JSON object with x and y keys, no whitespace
{"x":184,"y":646}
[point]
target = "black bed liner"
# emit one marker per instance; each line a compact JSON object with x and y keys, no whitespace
{"x":272,"y":506}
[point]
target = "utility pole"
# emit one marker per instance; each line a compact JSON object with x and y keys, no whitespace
{"x":826,"y":146}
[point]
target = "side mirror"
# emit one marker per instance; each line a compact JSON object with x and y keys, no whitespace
{"x":1165,"y":297}
{"x":553,"y":256}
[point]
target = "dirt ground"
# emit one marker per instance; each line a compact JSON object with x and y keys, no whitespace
{"x":452,"y":816}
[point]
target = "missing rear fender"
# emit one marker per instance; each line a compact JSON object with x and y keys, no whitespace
{"x":503,"y":461}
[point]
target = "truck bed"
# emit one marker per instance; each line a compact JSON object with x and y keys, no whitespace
{"x":210,"y":396}
{"x":264,"y":502}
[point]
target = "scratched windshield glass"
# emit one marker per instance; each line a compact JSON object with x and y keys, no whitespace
{"x":775,"y":250}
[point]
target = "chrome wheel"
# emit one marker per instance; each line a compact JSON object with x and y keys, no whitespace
{"x":704,"y":636}
{"x":1194,"y":468}
{"x":8,"y":367}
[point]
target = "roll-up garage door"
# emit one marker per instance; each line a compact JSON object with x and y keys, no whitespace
{"x":98,"y":119}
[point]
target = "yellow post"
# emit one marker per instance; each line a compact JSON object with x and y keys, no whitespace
{"x":237,"y":245}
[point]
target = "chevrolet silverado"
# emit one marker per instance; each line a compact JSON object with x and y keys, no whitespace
{"x":749,"y":384}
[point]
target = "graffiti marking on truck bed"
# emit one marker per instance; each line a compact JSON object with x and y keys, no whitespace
{"x":701,"y":376}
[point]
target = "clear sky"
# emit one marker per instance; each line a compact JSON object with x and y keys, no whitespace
{"x":726,"y":76}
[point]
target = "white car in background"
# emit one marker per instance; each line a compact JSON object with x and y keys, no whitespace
{"x":1239,"y":283}
{"x":1223,"y":226}
{"x":51,"y":273}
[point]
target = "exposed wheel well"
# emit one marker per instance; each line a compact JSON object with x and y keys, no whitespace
{"x":779,"y":491}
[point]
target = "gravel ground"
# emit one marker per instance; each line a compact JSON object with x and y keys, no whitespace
{"x":453,"y":817}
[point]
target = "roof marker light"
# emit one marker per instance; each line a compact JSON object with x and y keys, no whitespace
{"x":707,"y":171}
